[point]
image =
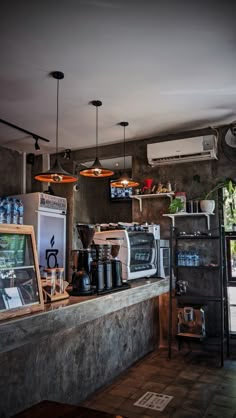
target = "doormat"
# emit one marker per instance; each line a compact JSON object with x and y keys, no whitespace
{"x":152,"y":400}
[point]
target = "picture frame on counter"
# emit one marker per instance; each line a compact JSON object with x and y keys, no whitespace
{"x":20,"y":283}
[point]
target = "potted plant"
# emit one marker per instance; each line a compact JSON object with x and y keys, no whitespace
{"x":208,"y":205}
{"x":177,"y":205}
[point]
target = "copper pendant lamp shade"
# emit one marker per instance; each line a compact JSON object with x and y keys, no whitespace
{"x":96,"y":170}
{"x":124,"y":181}
{"x":56,"y":174}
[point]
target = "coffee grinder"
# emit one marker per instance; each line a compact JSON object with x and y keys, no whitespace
{"x":116,"y":263}
{"x":101,"y":267}
{"x":81,"y":282}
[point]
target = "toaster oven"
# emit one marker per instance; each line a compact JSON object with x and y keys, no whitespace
{"x":138,"y":253}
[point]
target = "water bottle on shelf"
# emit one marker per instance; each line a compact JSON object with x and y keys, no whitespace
{"x":180,"y":258}
{"x":20,"y":212}
{"x":14,"y":211}
{"x":6,"y":211}
{"x":196,"y":259}
{"x":1,"y":211}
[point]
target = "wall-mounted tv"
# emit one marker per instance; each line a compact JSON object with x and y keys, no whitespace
{"x":118,"y":194}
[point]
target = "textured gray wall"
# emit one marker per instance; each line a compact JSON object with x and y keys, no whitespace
{"x":10,"y":172}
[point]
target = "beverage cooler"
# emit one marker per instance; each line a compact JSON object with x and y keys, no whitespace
{"x":47,"y":214}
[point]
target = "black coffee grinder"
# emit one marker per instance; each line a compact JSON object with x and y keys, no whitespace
{"x":101,"y":267}
{"x":116,"y":265}
{"x":81,"y":282}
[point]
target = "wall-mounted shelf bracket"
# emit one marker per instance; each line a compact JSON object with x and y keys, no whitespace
{"x":140,"y":197}
{"x":172,"y":216}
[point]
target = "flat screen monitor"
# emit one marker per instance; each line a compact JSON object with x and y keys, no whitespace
{"x":118,"y":194}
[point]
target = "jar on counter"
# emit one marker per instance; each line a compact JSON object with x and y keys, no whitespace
{"x":60,"y":280}
{"x":51,"y":276}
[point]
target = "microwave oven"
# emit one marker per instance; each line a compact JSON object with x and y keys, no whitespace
{"x":137,"y":253}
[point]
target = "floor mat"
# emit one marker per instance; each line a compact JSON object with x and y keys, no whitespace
{"x":152,"y":400}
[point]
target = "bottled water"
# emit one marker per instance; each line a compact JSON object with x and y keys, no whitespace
{"x":20,"y":212}
{"x":14,"y":210}
{"x":1,"y":211}
{"x":6,"y":211}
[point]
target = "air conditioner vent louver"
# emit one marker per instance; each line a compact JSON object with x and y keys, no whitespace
{"x":182,"y":150}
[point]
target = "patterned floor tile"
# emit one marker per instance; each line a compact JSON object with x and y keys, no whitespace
{"x":216,"y":411}
{"x":199,"y":388}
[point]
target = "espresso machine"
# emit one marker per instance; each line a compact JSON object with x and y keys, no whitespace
{"x":81,"y":282}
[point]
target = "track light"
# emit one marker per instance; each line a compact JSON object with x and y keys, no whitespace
{"x":36,"y":145}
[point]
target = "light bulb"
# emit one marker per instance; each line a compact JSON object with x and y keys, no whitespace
{"x":125,"y":182}
{"x":97,"y":171}
{"x":57,"y":178}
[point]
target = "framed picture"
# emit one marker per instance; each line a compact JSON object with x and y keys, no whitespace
{"x":20,"y":283}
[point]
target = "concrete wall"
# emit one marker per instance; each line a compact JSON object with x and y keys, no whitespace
{"x":11,"y":172}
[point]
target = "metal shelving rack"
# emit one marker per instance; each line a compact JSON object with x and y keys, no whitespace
{"x":200,"y":300}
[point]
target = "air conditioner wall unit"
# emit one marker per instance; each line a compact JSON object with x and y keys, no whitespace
{"x":198,"y":148}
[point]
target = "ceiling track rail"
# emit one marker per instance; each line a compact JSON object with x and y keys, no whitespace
{"x":35,"y":136}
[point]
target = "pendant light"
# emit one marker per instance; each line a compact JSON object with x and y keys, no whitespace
{"x":96,"y":170}
{"x":56,"y":174}
{"x":124,"y":181}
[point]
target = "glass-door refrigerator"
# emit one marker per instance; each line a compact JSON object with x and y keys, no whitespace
{"x":47,"y":214}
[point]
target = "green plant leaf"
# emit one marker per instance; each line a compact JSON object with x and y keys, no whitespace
{"x":176,"y":205}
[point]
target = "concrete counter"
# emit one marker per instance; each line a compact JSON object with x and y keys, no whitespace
{"x":73,"y":347}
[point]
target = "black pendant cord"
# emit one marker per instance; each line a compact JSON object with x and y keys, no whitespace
{"x":124,"y":147}
{"x":96,"y":132}
{"x":57,"y":116}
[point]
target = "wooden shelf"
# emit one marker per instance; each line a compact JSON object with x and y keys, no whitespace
{"x":172,"y":216}
{"x":140,"y":197}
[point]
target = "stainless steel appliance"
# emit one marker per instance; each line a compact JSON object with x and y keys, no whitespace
{"x":163,"y":258}
{"x":137,"y":251}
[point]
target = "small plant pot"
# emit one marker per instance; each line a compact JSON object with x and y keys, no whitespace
{"x":207,"y":206}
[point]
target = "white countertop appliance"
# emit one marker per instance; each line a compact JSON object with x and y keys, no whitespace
{"x":163,"y":258}
{"x":47,"y":214}
{"x":137,"y":254}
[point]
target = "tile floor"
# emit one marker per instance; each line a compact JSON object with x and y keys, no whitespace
{"x":198,"y":386}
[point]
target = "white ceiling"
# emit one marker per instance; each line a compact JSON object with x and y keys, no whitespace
{"x":164,"y":66}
